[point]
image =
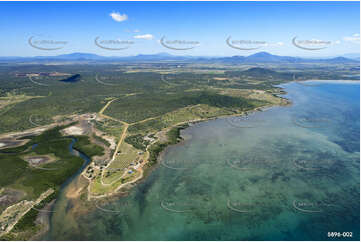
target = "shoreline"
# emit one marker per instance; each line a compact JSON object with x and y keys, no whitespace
{"x":124,"y":190}
{"x":148,"y":167}
{"x":44,"y":220}
{"x":148,"y":170}
{"x":330,"y":81}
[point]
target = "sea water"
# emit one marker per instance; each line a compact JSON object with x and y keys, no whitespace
{"x":287,"y":173}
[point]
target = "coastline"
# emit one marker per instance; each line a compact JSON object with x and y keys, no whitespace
{"x":330,"y":81}
{"x":149,"y":169}
{"x":280,"y":95}
{"x":44,"y":218}
{"x":180,"y":139}
{"x":151,"y":165}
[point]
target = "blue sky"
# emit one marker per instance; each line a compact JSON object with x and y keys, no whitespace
{"x":208,"y":23}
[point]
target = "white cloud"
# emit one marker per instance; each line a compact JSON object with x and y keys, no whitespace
{"x":136,"y":31}
{"x":144,"y":36}
{"x":118,"y":17}
{"x":355,"y":38}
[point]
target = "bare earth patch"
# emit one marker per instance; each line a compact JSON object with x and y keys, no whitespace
{"x":74,"y":130}
{"x":9,"y":143}
{"x":37,"y":160}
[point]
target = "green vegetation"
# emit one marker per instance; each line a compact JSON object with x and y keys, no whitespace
{"x":157,"y":88}
{"x":85,"y":146}
{"x":18,"y":174}
{"x":137,"y":141}
{"x":109,"y":127}
{"x":35,"y":181}
{"x":101,"y":140}
{"x":28,"y":220}
{"x":139,"y":107}
{"x":150,"y":97}
{"x":173,"y":136}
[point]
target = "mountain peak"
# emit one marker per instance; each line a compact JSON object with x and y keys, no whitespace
{"x":164,"y":54}
{"x":261,"y":54}
{"x":161,"y":54}
{"x":79,"y":55}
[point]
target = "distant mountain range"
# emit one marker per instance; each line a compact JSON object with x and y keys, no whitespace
{"x":265,"y":57}
{"x":260,"y":57}
{"x":355,"y":56}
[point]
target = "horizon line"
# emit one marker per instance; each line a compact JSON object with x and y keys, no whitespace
{"x":204,"y":56}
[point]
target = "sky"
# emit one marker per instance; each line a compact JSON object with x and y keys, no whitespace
{"x":179,"y":28}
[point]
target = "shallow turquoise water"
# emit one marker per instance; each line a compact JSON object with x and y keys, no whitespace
{"x":288,"y":173}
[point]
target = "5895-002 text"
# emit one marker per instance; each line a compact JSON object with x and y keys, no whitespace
{"x":339,"y":234}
